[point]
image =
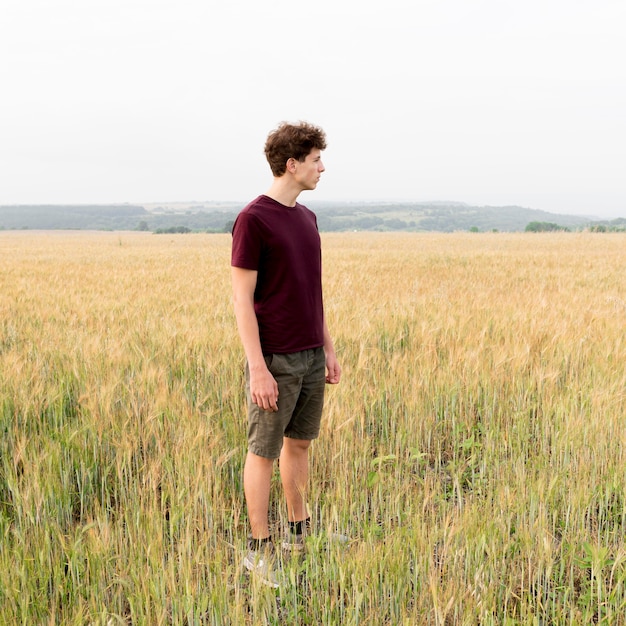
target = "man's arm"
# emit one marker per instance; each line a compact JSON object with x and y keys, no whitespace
{"x":333,"y":370}
{"x":263,"y":387}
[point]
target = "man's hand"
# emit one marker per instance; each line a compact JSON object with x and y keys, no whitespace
{"x":264,"y":389}
{"x":333,"y":371}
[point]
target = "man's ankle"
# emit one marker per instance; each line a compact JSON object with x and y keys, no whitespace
{"x":300,"y":527}
{"x":259,"y":544}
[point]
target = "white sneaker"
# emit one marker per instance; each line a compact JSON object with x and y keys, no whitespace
{"x":293,"y":543}
{"x":262,"y":564}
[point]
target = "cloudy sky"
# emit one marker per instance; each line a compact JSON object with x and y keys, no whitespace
{"x":489,"y":102}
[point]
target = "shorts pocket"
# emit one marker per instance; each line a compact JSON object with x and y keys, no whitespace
{"x":276,"y":364}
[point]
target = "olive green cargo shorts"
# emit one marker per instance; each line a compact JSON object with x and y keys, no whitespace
{"x":301,"y":378}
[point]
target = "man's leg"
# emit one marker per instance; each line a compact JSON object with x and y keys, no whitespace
{"x":257,"y":476}
{"x":294,"y":473}
{"x":260,"y":559}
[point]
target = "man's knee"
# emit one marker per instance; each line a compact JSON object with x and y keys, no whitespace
{"x":297,"y":445}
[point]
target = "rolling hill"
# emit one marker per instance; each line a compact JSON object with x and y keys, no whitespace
{"x":332,"y":216}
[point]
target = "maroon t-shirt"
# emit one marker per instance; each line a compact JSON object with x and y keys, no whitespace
{"x":283,"y":245}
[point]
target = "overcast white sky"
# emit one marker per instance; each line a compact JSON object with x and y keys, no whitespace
{"x":489,"y":102}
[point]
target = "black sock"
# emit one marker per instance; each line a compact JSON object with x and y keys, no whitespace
{"x":297,"y":528}
{"x":258,"y":544}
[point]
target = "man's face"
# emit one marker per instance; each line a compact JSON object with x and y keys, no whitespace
{"x":307,"y":173}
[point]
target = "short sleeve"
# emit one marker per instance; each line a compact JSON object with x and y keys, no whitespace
{"x":247,"y":241}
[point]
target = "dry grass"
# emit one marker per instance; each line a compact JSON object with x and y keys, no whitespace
{"x":474,"y":449}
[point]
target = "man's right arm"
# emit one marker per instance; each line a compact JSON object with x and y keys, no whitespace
{"x":263,"y":387}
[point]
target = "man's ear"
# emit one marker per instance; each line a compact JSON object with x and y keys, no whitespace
{"x":291,"y":165}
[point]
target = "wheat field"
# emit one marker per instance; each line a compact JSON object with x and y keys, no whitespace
{"x":473,"y":452}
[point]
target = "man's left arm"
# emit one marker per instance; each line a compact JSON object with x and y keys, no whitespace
{"x":333,"y":370}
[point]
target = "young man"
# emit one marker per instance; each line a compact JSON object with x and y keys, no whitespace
{"x":277,"y":291}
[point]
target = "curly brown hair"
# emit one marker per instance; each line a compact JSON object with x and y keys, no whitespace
{"x":292,"y":141}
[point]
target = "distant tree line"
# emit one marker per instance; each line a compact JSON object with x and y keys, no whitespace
{"x":607,"y":228}
{"x":544,"y":227}
{"x":172,"y":230}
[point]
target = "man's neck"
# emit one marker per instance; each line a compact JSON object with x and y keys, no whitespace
{"x":284,"y":191}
